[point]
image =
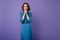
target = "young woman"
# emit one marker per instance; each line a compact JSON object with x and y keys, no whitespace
{"x":26,"y":19}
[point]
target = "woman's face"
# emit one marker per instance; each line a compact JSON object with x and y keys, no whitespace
{"x":25,"y":7}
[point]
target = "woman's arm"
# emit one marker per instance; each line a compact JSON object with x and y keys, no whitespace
{"x":29,"y":17}
{"x":21,"y":17}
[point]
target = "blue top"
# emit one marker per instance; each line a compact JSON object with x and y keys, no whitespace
{"x":25,"y":19}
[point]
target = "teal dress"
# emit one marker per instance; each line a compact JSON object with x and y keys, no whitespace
{"x":26,"y":29}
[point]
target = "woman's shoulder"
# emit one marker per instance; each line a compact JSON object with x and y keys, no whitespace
{"x":30,"y":13}
{"x":21,"y":12}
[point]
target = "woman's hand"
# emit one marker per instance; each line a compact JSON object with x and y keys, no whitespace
{"x":25,"y":12}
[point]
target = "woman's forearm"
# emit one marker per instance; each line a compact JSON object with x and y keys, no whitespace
{"x":27,"y":17}
{"x":23,"y":17}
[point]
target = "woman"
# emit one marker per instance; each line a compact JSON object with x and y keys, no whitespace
{"x":26,"y":19}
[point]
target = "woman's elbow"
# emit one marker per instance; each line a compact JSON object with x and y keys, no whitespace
{"x":21,"y":21}
{"x":30,"y":21}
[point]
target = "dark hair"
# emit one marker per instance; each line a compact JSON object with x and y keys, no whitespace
{"x":27,"y":6}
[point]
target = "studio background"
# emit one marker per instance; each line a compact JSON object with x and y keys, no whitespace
{"x":45,"y":24}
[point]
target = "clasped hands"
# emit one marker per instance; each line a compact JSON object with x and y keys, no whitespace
{"x":25,"y":14}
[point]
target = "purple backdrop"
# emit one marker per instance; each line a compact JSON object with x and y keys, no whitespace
{"x":45,"y":24}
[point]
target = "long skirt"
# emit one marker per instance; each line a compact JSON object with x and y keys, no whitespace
{"x":26,"y":32}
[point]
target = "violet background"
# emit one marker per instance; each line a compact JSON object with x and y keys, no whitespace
{"x":45,"y":24}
